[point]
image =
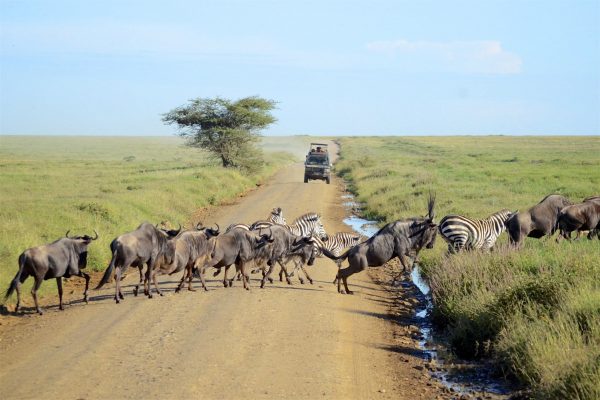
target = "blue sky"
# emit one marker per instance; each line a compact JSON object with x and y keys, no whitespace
{"x":334,"y":67}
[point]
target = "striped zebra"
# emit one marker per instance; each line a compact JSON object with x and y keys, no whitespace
{"x":335,"y":244}
{"x":276,"y":216}
{"x":305,"y":225}
{"x":464,"y":233}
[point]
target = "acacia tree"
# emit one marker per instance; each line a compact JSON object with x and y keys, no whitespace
{"x":228,"y":129}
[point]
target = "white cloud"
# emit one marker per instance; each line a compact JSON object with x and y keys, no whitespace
{"x":477,"y":56}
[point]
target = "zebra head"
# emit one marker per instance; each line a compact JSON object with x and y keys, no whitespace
{"x":309,"y":224}
{"x":276,"y":216}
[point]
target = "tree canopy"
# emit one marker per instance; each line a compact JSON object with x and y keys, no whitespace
{"x":228,"y":129}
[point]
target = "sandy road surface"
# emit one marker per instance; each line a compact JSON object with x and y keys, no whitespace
{"x":300,"y":341}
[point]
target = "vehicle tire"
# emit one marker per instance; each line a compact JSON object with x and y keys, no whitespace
{"x":305,"y":179}
{"x":328,"y":180}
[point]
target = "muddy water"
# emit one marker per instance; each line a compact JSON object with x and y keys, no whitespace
{"x":461,"y":377}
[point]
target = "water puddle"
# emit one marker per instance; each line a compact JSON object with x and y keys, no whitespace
{"x":473,"y":378}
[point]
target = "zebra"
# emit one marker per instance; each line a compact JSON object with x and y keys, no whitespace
{"x":464,"y":233}
{"x":276,"y":216}
{"x":305,"y":225}
{"x":335,"y":244}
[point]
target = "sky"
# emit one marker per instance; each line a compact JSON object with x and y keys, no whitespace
{"x":513,"y":67}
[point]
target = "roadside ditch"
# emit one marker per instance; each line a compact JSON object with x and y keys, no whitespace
{"x":411,"y":308}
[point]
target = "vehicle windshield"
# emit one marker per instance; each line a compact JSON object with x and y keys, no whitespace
{"x":314,"y":159}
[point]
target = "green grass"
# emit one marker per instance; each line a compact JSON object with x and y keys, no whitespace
{"x":110,"y":184}
{"x":535,"y":311}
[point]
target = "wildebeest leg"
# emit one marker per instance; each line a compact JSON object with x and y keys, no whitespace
{"x":284,"y":270}
{"x":118,"y":294}
{"x":137,"y":287}
{"x":36,"y":286}
{"x":87,"y":285}
{"x":241,"y":267}
{"x":307,"y":276}
{"x":60,"y":293}
{"x":201,"y":273}
{"x":24,"y":275}
{"x":182,"y":281}
{"x":271,"y":265}
{"x":156,"y":283}
{"x":225,"y":281}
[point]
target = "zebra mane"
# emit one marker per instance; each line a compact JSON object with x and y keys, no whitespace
{"x":308,"y":217}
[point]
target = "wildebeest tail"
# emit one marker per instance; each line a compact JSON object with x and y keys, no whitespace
{"x":16,"y":279}
{"x":332,"y":256}
{"x":109,"y":270}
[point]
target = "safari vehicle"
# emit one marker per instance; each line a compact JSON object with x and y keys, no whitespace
{"x":317,"y":164}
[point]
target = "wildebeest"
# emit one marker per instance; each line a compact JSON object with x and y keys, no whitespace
{"x":146,"y":245}
{"x":238,"y":246}
{"x":284,"y":244}
{"x":402,"y":238}
{"x":62,"y":258}
{"x":580,"y":217}
{"x":190,"y":249}
{"x":540,"y":220}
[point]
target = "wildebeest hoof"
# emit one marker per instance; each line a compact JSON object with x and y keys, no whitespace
{"x":350,"y":292}
{"x":39,"y":310}
{"x":121,"y":296}
{"x":271,"y":280}
{"x":311,"y":281}
{"x":224,"y":283}
{"x":177,"y":290}
{"x":160,"y":294}
{"x":86,"y":300}
{"x":302,"y":281}
{"x":191,"y":289}
{"x":288,"y":282}
{"x":61,"y":308}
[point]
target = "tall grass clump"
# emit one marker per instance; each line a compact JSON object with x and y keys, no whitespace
{"x":535,"y":311}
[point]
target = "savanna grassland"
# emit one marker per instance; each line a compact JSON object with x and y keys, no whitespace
{"x":110,"y":184}
{"x":535,"y":311}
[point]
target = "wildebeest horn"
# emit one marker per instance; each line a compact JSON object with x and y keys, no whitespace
{"x":178,"y":230}
{"x":96,"y":235}
{"x":218,"y":227}
{"x":199,"y":226}
{"x":270,"y":239}
{"x":430,"y":206}
{"x":67,"y":234}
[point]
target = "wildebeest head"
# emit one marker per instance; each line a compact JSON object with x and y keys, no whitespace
{"x":209,"y":232}
{"x":262,"y":238}
{"x":171,"y":233}
{"x":426,"y":229}
{"x":81,"y":243}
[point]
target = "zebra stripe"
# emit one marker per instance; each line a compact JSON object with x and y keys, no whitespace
{"x":337,"y":243}
{"x":305,"y":225}
{"x":462,"y":233}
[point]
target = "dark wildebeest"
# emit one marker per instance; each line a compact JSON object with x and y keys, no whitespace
{"x":402,"y":238}
{"x":540,"y":220}
{"x":190,"y":250}
{"x":284,"y":244}
{"x":146,"y":245}
{"x":62,"y":258}
{"x":238,"y":246}
{"x":580,"y":217}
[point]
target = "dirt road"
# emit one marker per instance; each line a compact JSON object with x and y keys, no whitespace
{"x":300,"y":341}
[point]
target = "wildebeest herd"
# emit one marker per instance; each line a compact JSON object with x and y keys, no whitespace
{"x":273,"y":242}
